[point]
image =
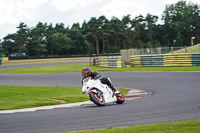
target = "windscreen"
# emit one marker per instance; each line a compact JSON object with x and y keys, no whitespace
{"x":86,"y":79}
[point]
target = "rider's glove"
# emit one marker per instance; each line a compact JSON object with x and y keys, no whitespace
{"x":97,"y":77}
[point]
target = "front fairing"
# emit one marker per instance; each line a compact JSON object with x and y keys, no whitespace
{"x":89,"y":83}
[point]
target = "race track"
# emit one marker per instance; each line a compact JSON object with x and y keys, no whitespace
{"x":175,"y":96}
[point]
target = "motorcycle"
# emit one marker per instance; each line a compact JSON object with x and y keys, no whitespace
{"x":99,"y":93}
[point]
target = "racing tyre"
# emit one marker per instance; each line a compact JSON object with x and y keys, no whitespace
{"x":97,"y":98}
{"x":120,"y":98}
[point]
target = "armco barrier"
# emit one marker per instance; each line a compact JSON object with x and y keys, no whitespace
{"x":156,"y":60}
{"x":195,"y":59}
{"x":106,"y":61}
{"x":177,"y":60}
{"x":166,"y":60}
{"x":136,"y":61}
{"x":103,"y":61}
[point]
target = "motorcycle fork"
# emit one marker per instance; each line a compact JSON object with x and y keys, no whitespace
{"x":99,"y":93}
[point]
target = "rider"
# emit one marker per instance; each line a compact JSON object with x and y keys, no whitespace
{"x":94,"y":75}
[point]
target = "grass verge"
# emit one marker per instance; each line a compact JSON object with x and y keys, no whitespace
{"x":46,"y":69}
{"x":172,"y":127}
{"x":78,"y":68}
{"x":38,"y":61}
{"x":18,"y":97}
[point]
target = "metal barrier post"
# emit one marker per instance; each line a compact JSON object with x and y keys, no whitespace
{"x":199,"y":48}
{"x":152,"y":51}
{"x":147,"y":51}
{"x":172,"y":50}
{"x":185,"y":49}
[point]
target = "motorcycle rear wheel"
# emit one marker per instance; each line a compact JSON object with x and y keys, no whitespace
{"x":98,"y":100}
{"x":120,"y":98}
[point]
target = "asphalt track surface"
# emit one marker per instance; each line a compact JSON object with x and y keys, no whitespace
{"x":175,"y":96}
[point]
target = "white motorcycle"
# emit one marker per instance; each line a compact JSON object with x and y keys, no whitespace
{"x":100,"y":93}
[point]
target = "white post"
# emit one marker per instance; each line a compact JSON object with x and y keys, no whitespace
{"x":192,"y":40}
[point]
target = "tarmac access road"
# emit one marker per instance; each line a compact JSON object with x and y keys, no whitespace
{"x":174,"y":97}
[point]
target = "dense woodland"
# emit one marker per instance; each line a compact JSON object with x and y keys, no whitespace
{"x":178,"y":24}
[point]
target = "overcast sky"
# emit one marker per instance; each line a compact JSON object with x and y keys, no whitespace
{"x":12,"y":12}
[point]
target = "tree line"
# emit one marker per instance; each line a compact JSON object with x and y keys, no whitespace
{"x":180,"y":23}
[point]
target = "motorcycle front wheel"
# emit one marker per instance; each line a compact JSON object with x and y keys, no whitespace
{"x":97,"y":98}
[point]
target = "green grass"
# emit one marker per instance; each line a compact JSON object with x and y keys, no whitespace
{"x":18,"y":97}
{"x":78,"y":68}
{"x":49,"y":60}
{"x":172,"y":127}
{"x":47,"y":69}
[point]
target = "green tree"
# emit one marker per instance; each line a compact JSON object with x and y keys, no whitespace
{"x":181,"y":22}
{"x":9,"y":44}
{"x":103,"y":32}
{"x":37,"y":43}
{"x":140,"y":35}
{"x":2,"y":52}
{"x":62,"y":44}
{"x":127,"y":22}
{"x":100,"y":35}
{"x":16,"y":43}
{"x":22,"y":37}
{"x":50,"y":46}
{"x":76,"y":25}
{"x":118,"y":30}
{"x":94,"y":32}
{"x":60,"y":28}
{"x":79,"y":44}
{"x":151,"y":24}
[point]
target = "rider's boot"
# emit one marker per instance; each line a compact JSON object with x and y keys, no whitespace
{"x":109,"y":83}
{"x":114,"y":89}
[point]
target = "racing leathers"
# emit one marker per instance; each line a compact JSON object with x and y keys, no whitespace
{"x":104,"y":80}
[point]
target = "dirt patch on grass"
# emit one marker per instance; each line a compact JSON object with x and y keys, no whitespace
{"x":55,"y":100}
{"x":58,"y":101}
